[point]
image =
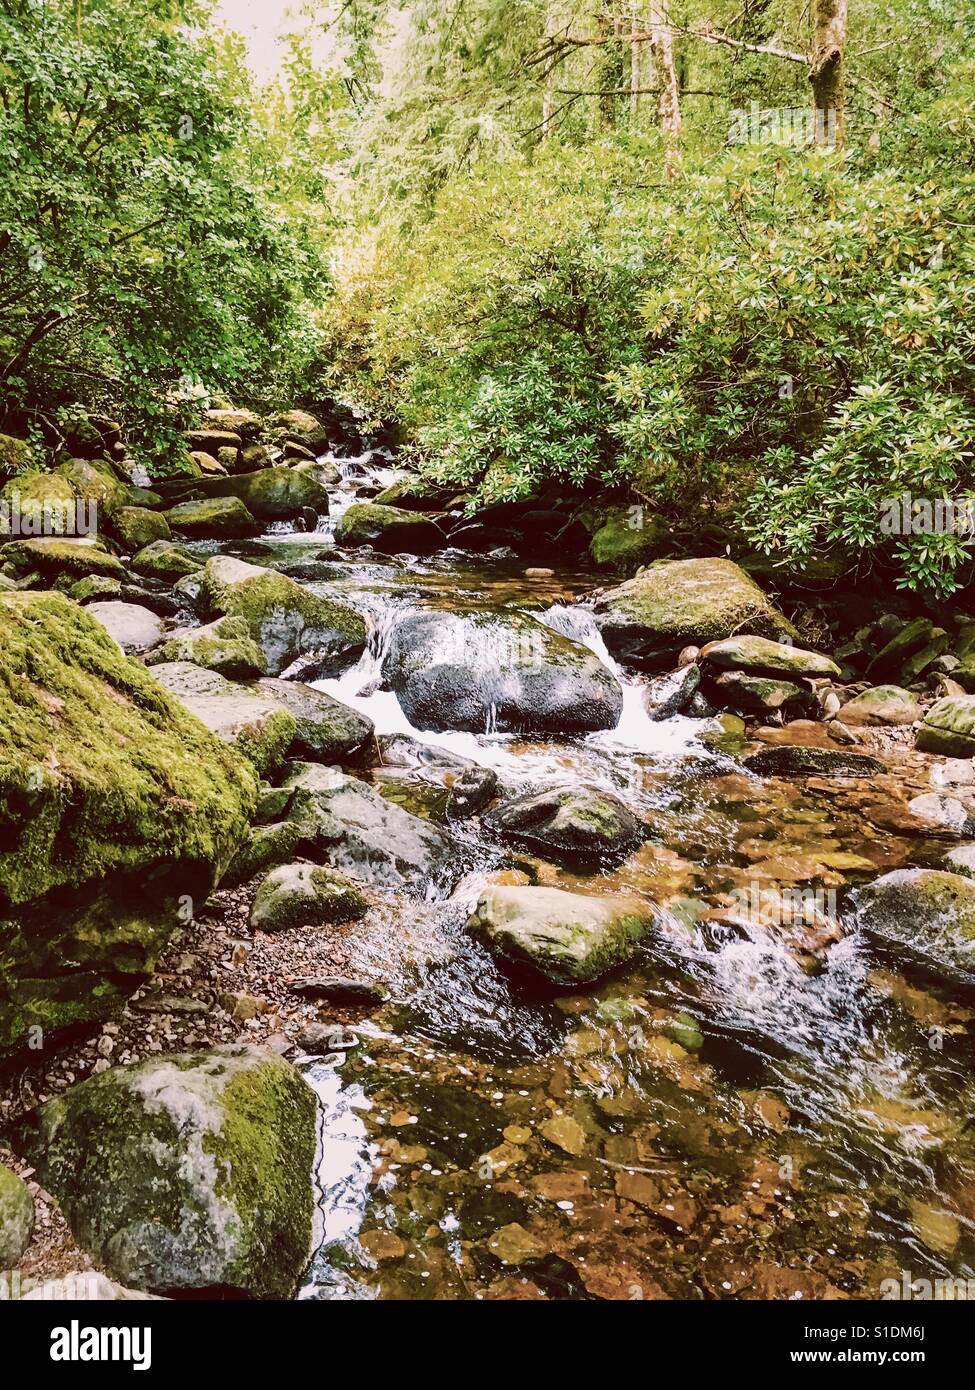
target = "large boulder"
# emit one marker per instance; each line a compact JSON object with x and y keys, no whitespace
{"x":350,"y":826}
{"x":390,"y":529}
{"x":285,"y":620}
{"x":240,"y":422}
{"x":117,"y":810}
{"x":37,"y":503}
{"x":949,"y":727}
{"x":133,"y":627}
{"x":567,"y":937}
{"x":16,"y":1218}
{"x":305,"y":895}
{"x":676,"y":603}
{"x":882,"y":704}
{"x":277,"y":494}
{"x":497,"y":671}
{"x":225,"y":646}
{"x":303,"y":428}
{"x":224,"y":518}
{"x":189,"y":1173}
{"x":94,"y":482}
{"x":926,"y":917}
{"x":569,"y":825}
{"x":260,"y":730}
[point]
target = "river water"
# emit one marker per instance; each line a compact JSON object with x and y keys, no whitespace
{"x":757,"y":1106}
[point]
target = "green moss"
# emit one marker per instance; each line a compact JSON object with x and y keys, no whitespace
{"x":265,"y":742}
{"x":137,"y":527}
{"x":225,"y":646}
{"x":50,"y":556}
{"x":623,"y":546}
{"x":164,"y":560}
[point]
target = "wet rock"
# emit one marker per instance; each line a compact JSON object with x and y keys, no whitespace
{"x":225,"y":646}
{"x":388,"y":529}
{"x":259,"y":729}
{"x":304,"y":895}
{"x":927,"y":917}
{"x":93,"y":587}
{"x":882,"y":704}
{"x":16,"y":1217}
{"x":186,"y":1173}
{"x":673,"y":603}
{"x":117,"y":808}
{"x":759,"y":695}
{"x":268,"y":846}
{"x":502,"y":671}
{"x":134,"y":628}
{"x":949,"y":727}
{"x":326,"y":729}
{"x":671,"y":694}
{"x":944,"y":813}
{"x":322,"y":1038}
{"x":285,"y":620}
{"x":569,"y":825}
{"x":165,"y":560}
{"x":350,"y":826}
{"x":789,"y":761}
{"x":471,"y":792}
{"x":339,"y":990}
{"x":759,"y":656}
{"x":220,"y":517}
{"x":569,"y":938}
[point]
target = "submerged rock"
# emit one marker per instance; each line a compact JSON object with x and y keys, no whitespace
{"x":497,"y":671}
{"x":350,"y":826}
{"x":285,"y":620}
{"x":669,"y":695}
{"x":389,"y":529}
{"x":305,"y":895}
{"x":569,"y":938}
{"x":788,"y":761}
{"x":927,"y":916}
{"x":16,"y":1218}
{"x":569,"y":825}
{"x":117,"y":809}
{"x":186,"y":1173}
{"x":648,"y":619}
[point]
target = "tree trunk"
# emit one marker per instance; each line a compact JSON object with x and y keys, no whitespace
{"x":636,"y":50}
{"x":665,"y":80}
{"x":826,"y":72}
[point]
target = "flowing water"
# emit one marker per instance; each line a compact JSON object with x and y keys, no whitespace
{"x":756,"y":1106}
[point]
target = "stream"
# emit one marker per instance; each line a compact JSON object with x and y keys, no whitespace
{"x":748,"y":1109}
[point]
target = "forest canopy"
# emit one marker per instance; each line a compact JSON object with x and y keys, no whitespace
{"x":716,"y":258}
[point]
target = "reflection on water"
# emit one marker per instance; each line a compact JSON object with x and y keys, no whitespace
{"x":750,"y":1109}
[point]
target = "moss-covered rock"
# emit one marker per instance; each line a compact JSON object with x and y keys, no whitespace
{"x":949,"y":727}
{"x":760,"y":695}
{"x":165,"y":560}
{"x":326,"y":729}
{"x":268,"y":846}
{"x":241,"y":422}
{"x":259,"y":730}
{"x":927,"y":917}
{"x":44,"y":504}
{"x":51,"y":556}
{"x":762,"y":657}
{"x":95,"y":482}
{"x":305,"y":895}
{"x":569,"y":825}
{"x":389,"y":529}
{"x":95,"y":586}
{"x":15,"y":455}
{"x":628,"y":538}
{"x":277,"y":494}
{"x":137,"y":527}
{"x":191,"y":1172}
{"x":16,"y":1218}
{"x":285,"y":620}
{"x":220,"y":517}
{"x":225,"y":646}
{"x":567,"y":937}
{"x":786,"y":760}
{"x":673,"y":603}
{"x":882,"y":704}
{"x":301,"y":427}
{"x":116,"y":806}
